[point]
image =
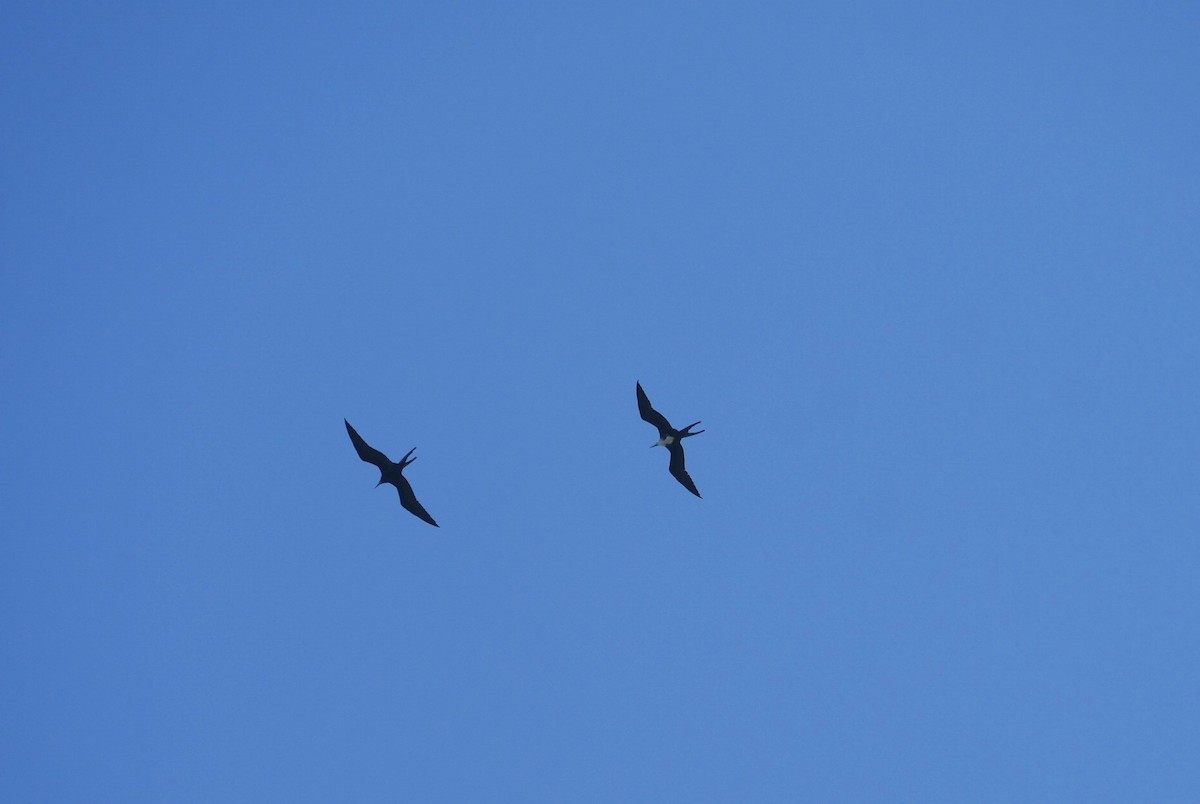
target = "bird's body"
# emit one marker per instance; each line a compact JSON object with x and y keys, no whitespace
{"x":391,"y":472}
{"x":670,"y":438}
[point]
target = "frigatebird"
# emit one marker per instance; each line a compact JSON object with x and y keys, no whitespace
{"x":670,"y":438}
{"x":390,"y":472}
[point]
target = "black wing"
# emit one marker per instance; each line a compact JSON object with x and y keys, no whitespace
{"x":651,"y":415}
{"x":409,"y":501}
{"x":365,"y":450}
{"x":677,"y":470}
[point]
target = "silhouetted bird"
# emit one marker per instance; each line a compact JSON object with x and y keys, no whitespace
{"x":670,"y":438}
{"x":391,"y":473}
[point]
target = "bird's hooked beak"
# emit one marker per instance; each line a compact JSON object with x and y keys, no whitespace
{"x":380,"y":483}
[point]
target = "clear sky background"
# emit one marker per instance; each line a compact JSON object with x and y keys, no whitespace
{"x":927,"y":272}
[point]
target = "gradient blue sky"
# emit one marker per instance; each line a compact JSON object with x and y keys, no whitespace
{"x":928,"y":273}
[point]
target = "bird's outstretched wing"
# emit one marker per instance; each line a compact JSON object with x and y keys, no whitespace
{"x":409,"y":501}
{"x":365,"y":450}
{"x":677,"y":470}
{"x":650,"y":414}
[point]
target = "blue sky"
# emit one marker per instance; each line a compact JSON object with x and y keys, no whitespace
{"x":927,"y":272}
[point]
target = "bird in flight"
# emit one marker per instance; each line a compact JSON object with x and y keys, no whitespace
{"x":390,"y":472}
{"x":670,"y":438}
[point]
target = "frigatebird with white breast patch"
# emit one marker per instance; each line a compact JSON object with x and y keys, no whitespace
{"x":670,"y":438}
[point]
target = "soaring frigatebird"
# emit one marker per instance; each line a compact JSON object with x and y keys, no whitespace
{"x":391,"y":473}
{"x":670,"y":438}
